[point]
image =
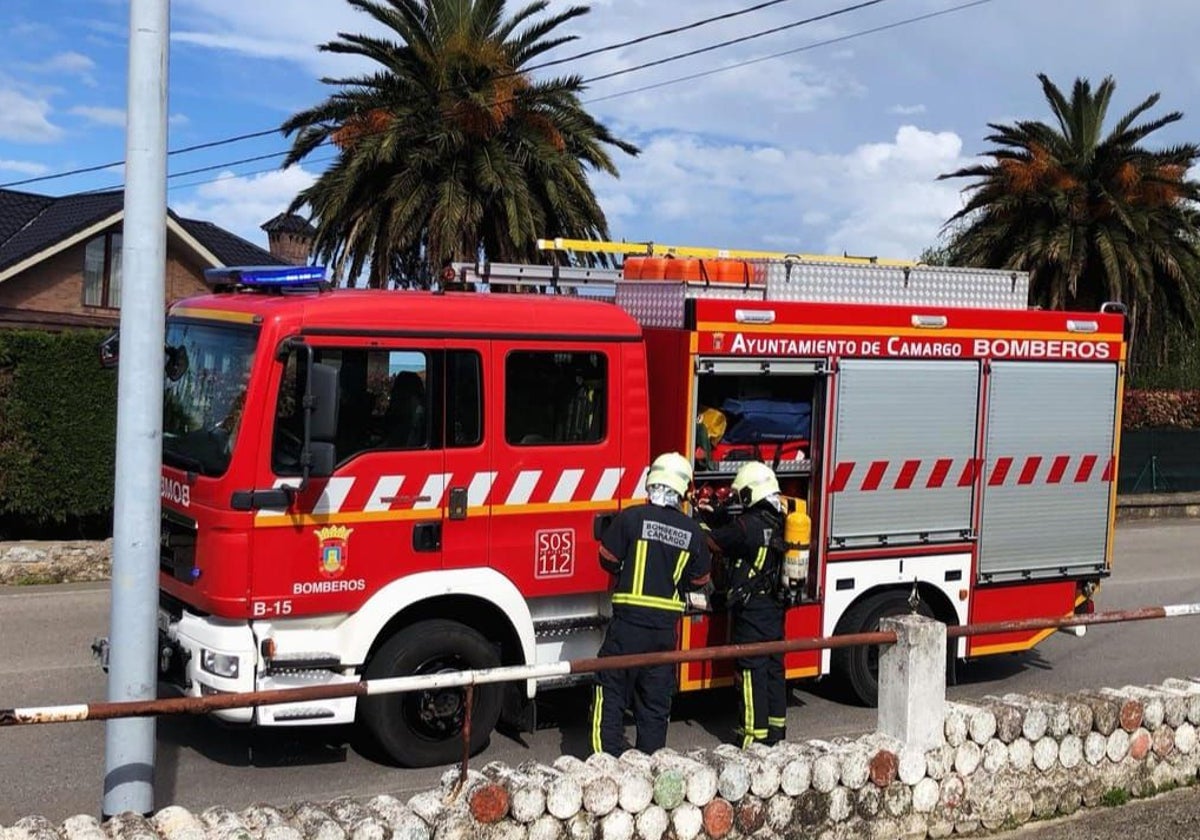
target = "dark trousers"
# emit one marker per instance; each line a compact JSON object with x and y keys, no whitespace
{"x":762,"y":688}
{"x":647,"y":690}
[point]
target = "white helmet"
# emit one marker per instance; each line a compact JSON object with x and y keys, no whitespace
{"x":754,"y":482}
{"x":670,"y":470}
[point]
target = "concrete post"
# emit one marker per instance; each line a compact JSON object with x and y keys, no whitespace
{"x":912,"y":681}
{"x":133,"y":658}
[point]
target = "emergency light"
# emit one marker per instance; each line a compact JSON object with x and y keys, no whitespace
{"x":267,"y":277}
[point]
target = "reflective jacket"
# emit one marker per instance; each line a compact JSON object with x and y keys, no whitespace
{"x":753,"y":544}
{"x":658,"y":554}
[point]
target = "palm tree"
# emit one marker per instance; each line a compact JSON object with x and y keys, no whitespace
{"x":1093,"y":217}
{"x":448,"y":147}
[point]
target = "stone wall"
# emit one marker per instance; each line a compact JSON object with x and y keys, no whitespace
{"x":1005,"y":760}
{"x":55,"y":562}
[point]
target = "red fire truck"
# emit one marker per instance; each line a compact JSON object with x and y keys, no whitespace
{"x":360,"y":484}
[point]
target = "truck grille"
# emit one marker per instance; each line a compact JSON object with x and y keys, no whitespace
{"x":177,"y":547}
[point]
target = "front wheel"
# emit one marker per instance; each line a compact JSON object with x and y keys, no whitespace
{"x":424,"y":728}
{"x":859,"y":666}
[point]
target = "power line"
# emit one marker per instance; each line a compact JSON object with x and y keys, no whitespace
{"x":805,"y":48}
{"x":585,"y":54}
{"x":241,"y":174}
{"x":196,"y":171}
{"x":732,"y":41}
{"x":641,"y":39}
{"x":83,"y":170}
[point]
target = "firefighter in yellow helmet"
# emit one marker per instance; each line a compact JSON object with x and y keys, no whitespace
{"x":657,"y":554}
{"x":753,"y":546}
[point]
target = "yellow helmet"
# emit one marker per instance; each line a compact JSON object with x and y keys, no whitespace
{"x":754,"y":482}
{"x":670,"y":470}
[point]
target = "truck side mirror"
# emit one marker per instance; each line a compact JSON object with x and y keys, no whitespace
{"x":322,"y":459}
{"x":324,"y":394}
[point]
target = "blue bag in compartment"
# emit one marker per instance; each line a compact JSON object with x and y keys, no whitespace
{"x":754,"y":421}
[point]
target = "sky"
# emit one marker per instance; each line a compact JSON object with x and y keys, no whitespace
{"x":834,"y":148}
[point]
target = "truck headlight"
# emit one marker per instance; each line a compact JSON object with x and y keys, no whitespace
{"x":219,"y":664}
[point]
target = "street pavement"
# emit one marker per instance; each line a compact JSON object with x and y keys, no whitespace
{"x":1171,"y":816}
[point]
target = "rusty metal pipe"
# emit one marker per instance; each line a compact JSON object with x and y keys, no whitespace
{"x":1083,"y":619}
{"x":466,"y":736}
{"x":468,"y":679}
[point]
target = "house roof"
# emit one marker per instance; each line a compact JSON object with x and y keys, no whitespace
{"x":229,"y":248}
{"x":33,"y":224}
{"x":289,"y":223}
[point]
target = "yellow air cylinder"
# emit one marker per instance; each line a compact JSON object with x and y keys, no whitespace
{"x":797,"y":532}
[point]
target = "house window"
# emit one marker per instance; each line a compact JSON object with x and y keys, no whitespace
{"x":102,"y":271}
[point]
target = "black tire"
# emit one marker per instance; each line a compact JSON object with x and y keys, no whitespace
{"x":858,"y":666}
{"x":424,"y":728}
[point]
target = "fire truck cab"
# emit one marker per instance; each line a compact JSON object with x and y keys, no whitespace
{"x":364,"y":484}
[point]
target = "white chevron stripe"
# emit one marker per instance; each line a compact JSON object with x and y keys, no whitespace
{"x":564,"y":490}
{"x":431,"y":494}
{"x":385,"y":489}
{"x":481,"y":486}
{"x":334,"y":495}
{"x":522,"y":488}
{"x":609,"y":482}
{"x":639,"y":492}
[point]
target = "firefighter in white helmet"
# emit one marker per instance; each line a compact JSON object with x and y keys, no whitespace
{"x":658,"y":554}
{"x":754,"y":548}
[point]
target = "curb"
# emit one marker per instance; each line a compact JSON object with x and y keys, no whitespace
{"x":1158,"y":506}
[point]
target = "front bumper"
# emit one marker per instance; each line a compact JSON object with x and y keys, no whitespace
{"x":182,"y":638}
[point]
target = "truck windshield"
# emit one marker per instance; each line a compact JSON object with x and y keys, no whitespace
{"x":204,"y":391}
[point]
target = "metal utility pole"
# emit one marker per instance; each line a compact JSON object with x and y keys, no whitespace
{"x":133,"y":659}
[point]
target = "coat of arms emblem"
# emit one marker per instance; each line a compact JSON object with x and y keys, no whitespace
{"x":334,"y":543}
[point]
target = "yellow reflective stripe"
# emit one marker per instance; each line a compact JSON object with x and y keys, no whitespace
{"x":776,"y":721}
{"x":672,"y":604}
{"x":597,"y":707}
{"x":748,"y":705}
{"x":639,"y":567}
{"x":760,"y":559}
{"x":680,"y":564}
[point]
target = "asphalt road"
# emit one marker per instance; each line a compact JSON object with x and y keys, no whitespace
{"x":56,"y":770}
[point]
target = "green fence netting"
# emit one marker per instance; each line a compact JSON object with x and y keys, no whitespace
{"x":1159,"y":461}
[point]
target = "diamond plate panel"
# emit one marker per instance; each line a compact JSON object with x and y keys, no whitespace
{"x":919,"y":285}
{"x":652,"y":304}
{"x":660,"y":303}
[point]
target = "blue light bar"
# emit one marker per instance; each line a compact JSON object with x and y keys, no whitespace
{"x":266,"y":276}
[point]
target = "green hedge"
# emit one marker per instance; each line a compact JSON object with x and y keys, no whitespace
{"x":58,"y":417}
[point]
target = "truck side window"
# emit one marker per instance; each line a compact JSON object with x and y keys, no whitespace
{"x":464,"y":399}
{"x":384,"y":404}
{"x":555,"y":397}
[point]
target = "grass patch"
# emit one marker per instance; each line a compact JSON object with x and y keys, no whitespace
{"x":1115,"y":797}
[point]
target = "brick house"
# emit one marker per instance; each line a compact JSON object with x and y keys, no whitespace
{"x":60,"y":257}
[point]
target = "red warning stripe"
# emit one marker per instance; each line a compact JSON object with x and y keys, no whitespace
{"x":934,"y":474}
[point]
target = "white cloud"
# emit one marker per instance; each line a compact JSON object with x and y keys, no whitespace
{"x":178,"y":120}
{"x":25,"y":167}
{"x":907,"y":110}
{"x":269,"y":29}
{"x":113,"y":117}
{"x":241,"y":203}
{"x":25,"y":118}
{"x":877,"y":198}
{"x":68,"y":63}
{"x":247,"y":45}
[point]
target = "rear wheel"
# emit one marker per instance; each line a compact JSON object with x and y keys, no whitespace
{"x":859,"y":666}
{"x":424,"y":728}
